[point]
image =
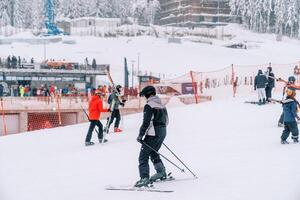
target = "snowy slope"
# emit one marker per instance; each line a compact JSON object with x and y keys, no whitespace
{"x":157,"y":55}
{"x":233,"y":147}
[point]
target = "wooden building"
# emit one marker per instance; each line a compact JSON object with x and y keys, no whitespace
{"x":194,"y":13}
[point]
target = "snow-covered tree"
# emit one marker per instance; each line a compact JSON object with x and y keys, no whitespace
{"x":279,"y":16}
{"x":4,"y":16}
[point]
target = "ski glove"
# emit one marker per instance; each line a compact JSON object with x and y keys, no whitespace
{"x":139,"y":139}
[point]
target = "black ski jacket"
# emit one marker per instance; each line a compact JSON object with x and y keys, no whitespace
{"x":155,"y":117}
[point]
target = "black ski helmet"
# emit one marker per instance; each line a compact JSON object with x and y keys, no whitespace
{"x":118,"y":87}
{"x":148,"y":91}
{"x":292,"y":79}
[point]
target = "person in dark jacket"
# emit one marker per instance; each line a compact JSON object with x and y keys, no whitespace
{"x":291,"y":81}
{"x":1,"y":90}
{"x":270,"y":84}
{"x":152,"y":133}
{"x":260,"y":83}
{"x":289,"y":117}
{"x":95,"y":109}
{"x":115,"y":102}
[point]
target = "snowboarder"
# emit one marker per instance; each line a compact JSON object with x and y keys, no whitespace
{"x":152,"y":133}
{"x":95,"y":109}
{"x":270,"y":83}
{"x":260,"y":83}
{"x":289,"y":117}
{"x":115,"y":102}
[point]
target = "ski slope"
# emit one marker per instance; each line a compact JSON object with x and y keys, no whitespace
{"x":233,"y":147}
{"x":158,"y":56}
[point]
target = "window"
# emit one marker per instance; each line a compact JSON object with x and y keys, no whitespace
{"x":215,"y":19}
{"x":201,"y":18}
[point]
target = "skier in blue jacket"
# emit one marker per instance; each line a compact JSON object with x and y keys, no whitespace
{"x":289,"y":117}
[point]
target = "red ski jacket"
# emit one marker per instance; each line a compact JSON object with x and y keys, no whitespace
{"x":96,"y":107}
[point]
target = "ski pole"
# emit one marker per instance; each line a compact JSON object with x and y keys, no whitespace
{"x":179,"y":160}
{"x":88,"y":117}
{"x":182,"y":170}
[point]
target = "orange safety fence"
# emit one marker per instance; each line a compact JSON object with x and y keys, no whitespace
{"x":22,"y":114}
{"x":235,"y":76}
{"x":3,"y":118}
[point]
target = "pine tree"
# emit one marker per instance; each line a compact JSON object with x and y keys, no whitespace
{"x":18,"y":13}
{"x":4,"y":17}
{"x":279,"y":16}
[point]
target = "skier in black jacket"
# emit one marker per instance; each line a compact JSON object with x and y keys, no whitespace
{"x":270,"y":83}
{"x":152,"y":132}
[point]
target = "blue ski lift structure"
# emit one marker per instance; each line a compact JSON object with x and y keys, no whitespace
{"x":52,"y":29}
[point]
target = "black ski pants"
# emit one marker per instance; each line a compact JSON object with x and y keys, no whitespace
{"x":145,"y":153}
{"x":268,"y":93}
{"x":91,"y":129}
{"x":290,"y":127}
{"x":115,"y":114}
{"x":281,"y":119}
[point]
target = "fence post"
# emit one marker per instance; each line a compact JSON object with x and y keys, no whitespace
{"x":234,"y":85}
{"x":298,"y":78}
{"x":58,"y":109}
{"x":3,"y":117}
{"x":194,"y":84}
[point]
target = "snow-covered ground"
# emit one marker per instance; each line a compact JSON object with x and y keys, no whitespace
{"x":233,"y":147}
{"x":158,"y":56}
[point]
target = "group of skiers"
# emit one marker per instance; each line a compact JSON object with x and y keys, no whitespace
{"x":151,"y":134}
{"x":96,"y":108}
{"x":263,"y":84}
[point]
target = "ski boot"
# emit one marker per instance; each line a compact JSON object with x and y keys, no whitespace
{"x":259,"y":102}
{"x":143,"y":182}
{"x":284,"y":142}
{"x":101,"y":141}
{"x":295,"y":140}
{"x":117,"y":130}
{"x":89,"y":143}
{"x":160,"y":172}
{"x":264,"y":101}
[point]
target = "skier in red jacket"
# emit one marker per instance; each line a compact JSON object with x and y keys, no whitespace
{"x":95,"y":109}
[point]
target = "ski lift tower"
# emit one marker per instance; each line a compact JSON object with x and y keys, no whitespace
{"x":50,"y":25}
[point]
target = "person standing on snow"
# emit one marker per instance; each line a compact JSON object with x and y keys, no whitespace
{"x":270,"y":83}
{"x":1,"y":90}
{"x":289,"y":117}
{"x":95,"y":109}
{"x":115,"y":102}
{"x":260,"y":83}
{"x":291,"y":81}
{"x":152,"y":133}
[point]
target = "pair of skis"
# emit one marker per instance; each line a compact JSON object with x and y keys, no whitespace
{"x":112,"y":105}
{"x":149,"y":188}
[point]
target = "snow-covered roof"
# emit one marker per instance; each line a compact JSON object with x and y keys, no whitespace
{"x":98,"y":19}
